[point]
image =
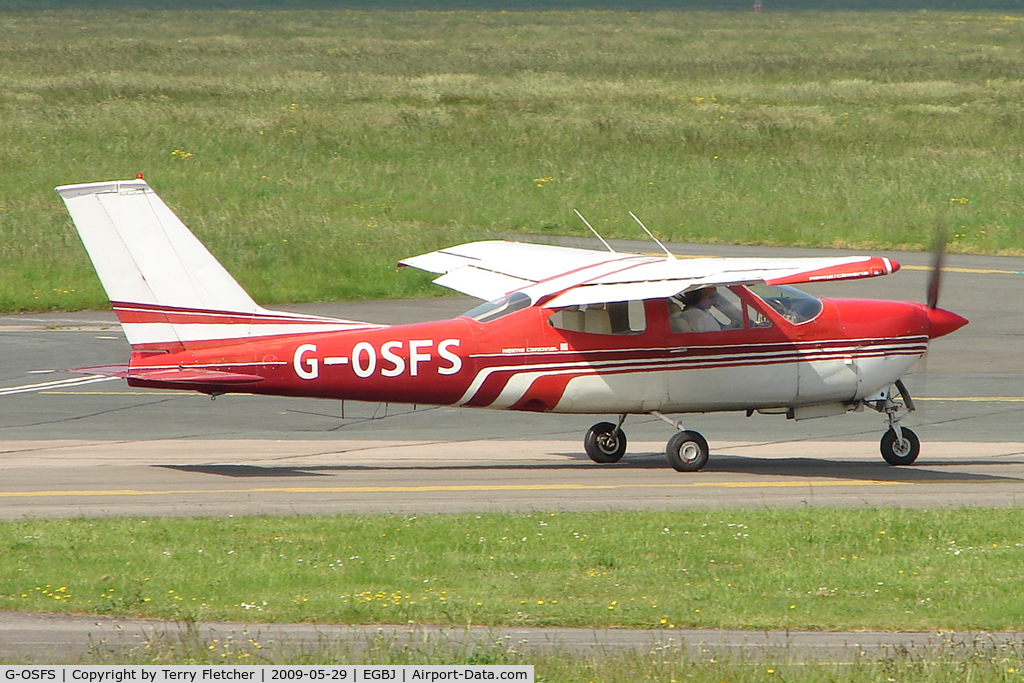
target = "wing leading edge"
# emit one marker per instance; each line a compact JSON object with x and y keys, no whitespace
{"x":561,"y":276}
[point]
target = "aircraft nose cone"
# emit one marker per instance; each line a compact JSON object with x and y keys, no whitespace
{"x":941,"y":322}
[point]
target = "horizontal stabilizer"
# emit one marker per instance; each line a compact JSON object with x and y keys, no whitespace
{"x":179,"y":375}
{"x":102,"y":370}
{"x":183,"y":375}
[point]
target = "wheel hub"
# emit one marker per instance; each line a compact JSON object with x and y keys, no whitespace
{"x":689,"y":452}
{"x":901,"y":447}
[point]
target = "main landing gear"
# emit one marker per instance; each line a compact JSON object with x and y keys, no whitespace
{"x":605,"y":442}
{"x":687,"y":451}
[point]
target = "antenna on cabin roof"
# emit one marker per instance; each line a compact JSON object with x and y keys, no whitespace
{"x":651,"y":235}
{"x":594,"y":231}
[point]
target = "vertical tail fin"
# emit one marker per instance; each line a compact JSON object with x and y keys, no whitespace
{"x":167,"y":289}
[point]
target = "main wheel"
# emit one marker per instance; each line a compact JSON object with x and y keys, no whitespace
{"x":898,"y":451}
{"x":604,"y":443}
{"x":687,"y":451}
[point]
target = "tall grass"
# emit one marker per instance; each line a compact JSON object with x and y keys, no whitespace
{"x":312,"y":149}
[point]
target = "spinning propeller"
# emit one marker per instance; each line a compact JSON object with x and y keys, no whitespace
{"x":939,"y":241}
{"x":940,"y":321}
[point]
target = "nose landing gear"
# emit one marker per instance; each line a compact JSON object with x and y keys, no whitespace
{"x":899,"y":445}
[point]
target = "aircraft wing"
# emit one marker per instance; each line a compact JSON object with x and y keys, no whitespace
{"x":491,"y":269}
{"x":562,"y":276}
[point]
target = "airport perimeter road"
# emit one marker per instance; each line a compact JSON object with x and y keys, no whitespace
{"x":73,"y":446}
{"x":53,"y":638}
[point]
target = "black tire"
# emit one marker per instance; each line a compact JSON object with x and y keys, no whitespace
{"x":603,"y":444}
{"x":897,"y":453}
{"x":687,"y":451}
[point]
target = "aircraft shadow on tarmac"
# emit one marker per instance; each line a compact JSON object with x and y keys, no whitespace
{"x":246,"y":471}
{"x":800,"y":468}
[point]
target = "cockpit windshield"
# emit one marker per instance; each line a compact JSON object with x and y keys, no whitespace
{"x":492,"y":310}
{"x":792,"y":304}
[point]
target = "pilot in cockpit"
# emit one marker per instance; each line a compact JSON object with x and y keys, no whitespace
{"x":696,"y":314}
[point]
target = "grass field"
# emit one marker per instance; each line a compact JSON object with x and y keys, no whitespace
{"x":816,"y":568}
{"x":955,"y":569}
{"x":312,"y":149}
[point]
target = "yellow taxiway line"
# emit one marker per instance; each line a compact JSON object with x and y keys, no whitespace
{"x":975,"y":271}
{"x":974,"y":399}
{"x":458,"y":489}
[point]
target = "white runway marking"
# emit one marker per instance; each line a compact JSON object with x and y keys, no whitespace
{"x":42,"y":386}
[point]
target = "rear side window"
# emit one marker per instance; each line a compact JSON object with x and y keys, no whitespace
{"x":492,"y":310}
{"x":617,"y":317}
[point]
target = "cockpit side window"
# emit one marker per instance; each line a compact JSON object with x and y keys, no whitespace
{"x":708,"y":309}
{"x":617,"y":317}
{"x":492,"y":310}
{"x":792,"y":304}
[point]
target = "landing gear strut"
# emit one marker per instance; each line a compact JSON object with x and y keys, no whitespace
{"x":899,"y":445}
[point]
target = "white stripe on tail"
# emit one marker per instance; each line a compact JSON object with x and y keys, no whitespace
{"x":169,"y":292}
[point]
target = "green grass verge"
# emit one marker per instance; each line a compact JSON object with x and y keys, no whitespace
{"x":890,"y":569}
{"x":312,"y":149}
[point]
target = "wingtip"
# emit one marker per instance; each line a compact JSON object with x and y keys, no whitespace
{"x":105,"y":186}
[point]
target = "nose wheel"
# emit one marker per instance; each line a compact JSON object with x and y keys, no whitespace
{"x":900,"y":446}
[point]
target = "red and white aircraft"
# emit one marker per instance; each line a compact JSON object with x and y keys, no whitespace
{"x":563,"y":330}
